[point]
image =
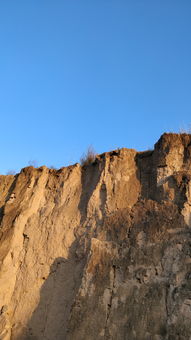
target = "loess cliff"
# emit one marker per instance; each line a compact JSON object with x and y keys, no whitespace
{"x":101,"y":251}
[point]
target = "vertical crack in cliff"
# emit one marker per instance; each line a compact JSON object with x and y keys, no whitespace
{"x":109,"y":306}
{"x":166,"y":304}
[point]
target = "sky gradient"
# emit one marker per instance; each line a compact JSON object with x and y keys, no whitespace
{"x":103,"y":73}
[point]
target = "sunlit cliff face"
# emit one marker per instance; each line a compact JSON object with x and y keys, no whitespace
{"x":100,"y":251}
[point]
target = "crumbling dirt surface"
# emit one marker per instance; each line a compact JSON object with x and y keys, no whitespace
{"x":100,"y":251}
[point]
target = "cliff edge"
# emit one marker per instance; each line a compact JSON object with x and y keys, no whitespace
{"x":100,"y":251}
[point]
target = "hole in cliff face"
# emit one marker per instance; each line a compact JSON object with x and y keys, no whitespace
{"x":114,"y":153}
{"x":185,"y":178}
{"x":25,"y":236}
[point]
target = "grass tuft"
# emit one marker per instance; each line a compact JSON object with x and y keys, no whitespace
{"x":89,"y":157}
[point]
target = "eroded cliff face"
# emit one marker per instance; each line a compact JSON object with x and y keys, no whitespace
{"x":99,"y":252}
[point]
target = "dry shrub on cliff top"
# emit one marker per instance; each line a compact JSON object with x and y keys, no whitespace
{"x":89,"y":157}
{"x":11,"y":172}
{"x":186,"y":129}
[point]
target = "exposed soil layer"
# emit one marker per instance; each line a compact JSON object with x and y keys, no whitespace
{"x":101,"y":251}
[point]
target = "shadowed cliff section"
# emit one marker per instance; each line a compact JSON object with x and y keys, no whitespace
{"x":90,"y":177}
{"x":99,"y":252}
{"x":9,"y":181}
{"x":50,"y":318}
{"x":146,"y":173}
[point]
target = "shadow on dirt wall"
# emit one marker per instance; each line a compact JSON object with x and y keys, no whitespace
{"x":50,"y":319}
{"x":89,"y":180}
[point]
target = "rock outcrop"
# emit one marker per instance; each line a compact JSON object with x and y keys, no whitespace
{"x":101,"y":251}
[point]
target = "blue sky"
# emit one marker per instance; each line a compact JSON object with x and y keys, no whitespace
{"x":101,"y":72}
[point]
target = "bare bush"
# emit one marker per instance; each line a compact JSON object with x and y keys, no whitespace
{"x":11,"y":172}
{"x":185,"y":130}
{"x":33,"y":163}
{"x":89,"y":157}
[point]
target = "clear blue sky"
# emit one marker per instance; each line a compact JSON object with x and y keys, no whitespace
{"x":111,"y":73}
